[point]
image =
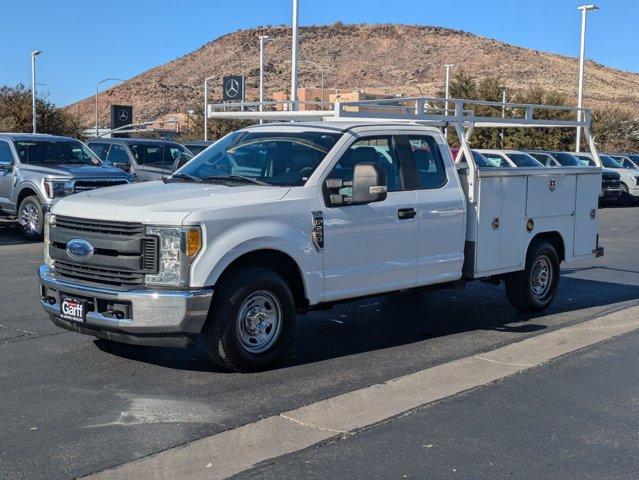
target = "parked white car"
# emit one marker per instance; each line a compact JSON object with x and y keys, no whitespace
{"x":629,"y":177}
{"x":281,"y":218}
{"x":512,"y":158}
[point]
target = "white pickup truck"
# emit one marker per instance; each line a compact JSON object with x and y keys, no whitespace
{"x":282,"y":218}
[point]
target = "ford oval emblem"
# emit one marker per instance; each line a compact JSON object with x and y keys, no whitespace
{"x":79,"y":249}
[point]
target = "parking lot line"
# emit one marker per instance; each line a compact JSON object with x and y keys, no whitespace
{"x":227,"y":453}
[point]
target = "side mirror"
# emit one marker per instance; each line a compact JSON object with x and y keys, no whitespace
{"x":6,"y":167}
{"x":123,"y":166}
{"x":369,"y":185}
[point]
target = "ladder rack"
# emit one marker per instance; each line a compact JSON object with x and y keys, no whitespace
{"x":462,"y":114}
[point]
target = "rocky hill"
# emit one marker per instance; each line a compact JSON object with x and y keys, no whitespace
{"x":393,"y":58}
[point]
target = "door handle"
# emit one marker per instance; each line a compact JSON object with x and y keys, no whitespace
{"x":406,"y":213}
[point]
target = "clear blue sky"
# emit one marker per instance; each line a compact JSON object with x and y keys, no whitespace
{"x":85,"y":41}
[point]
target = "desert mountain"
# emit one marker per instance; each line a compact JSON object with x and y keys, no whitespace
{"x":404,"y":59}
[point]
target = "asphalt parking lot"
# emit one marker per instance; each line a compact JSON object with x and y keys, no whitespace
{"x":73,"y":405}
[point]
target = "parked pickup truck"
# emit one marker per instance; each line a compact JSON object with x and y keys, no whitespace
{"x":36,"y":170}
{"x":281,"y":218}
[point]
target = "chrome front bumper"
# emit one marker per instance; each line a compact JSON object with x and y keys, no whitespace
{"x":154,"y":317}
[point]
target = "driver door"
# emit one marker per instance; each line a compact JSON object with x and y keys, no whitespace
{"x":6,"y":176}
{"x":370,"y":248}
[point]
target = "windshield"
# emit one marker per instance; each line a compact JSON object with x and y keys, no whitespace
{"x":55,"y":151}
{"x":635,"y":159}
{"x":483,"y":162}
{"x":496,"y":160}
{"x":585,"y":161}
{"x":524,"y":160}
{"x":272,"y":158}
{"x":195,"y":149}
{"x":610,"y":162}
{"x":566,"y":159}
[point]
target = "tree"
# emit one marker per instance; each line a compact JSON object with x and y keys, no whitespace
{"x":194,"y":126}
{"x":615,"y":130}
{"x":15,"y":114}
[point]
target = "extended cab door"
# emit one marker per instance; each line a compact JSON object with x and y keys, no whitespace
{"x":370,"y":248}
{"x":441,"y":209}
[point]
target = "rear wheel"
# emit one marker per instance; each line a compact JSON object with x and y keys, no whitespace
{"x":31,"y":218}
{"x":534,"y":289}
{"x":251,"y":321}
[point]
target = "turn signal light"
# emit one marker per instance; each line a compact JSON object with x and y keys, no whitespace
{"x":193,"y":241}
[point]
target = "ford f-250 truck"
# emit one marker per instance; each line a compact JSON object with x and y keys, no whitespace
{"x":281,"y":218}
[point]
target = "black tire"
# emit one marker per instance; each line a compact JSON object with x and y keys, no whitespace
{"x":226,"y":333}
{"x":31,"y":218}
{"x":625,"y":194}
{"x":526,"y":290}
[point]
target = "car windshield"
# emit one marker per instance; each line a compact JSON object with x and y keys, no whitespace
{"x":524,"y":160}
{"x":271,"y":158}
{"x":566,"y":159}
{"x":481,"y":161}
{"x":635,"y":159}
{"x":55,"y":152}
{"x":195,"y":149}
{"x":610,"y":162}
{"x":496,"y":160}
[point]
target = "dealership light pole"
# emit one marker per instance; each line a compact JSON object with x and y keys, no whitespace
{"x":97,"y":87}
{"x":582,"y":52}
{"x":447,"y":90}
{"x":263,"y":38}
{"x":294,"y":57}
{"x":206,"y":107}
{"x":34,"y":54}
{"x":503,"y":115}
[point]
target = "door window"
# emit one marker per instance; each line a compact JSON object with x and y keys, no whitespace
{"x":149,"y":155}
{"x":117,"y":154}
{"x":428,"y":160}
{"x":100,"y":149}
{"x":6,"y":156}
{"x":377,"y":150}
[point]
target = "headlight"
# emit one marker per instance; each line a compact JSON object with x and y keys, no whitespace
{"x":177,"y":246}
{"x":49,"y":220}
{"x":55,"y":188}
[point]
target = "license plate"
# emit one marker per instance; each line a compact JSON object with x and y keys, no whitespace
{"x":73,"y":309}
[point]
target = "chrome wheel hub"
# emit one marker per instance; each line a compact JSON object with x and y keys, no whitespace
{"x":259,"y":321}
{"x":542,"y":277}
{"x":30,"y":218}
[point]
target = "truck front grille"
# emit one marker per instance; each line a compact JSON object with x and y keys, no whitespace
{"x":84,"y":185}
{"x":99,"y":226}
{"x":94,"y":274}
{"x":122,"y":253}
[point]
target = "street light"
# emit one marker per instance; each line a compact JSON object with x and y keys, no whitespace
{"x":582,"y":52}
{"x":294,"y":57}
{"x":447,"y":89}
{"x":319,"y":67}
{"x":96,"y":99}
{"x":34,"y":54}
{"x":206,"y":106}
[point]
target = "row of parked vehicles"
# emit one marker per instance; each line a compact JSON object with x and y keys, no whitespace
{"x":36,"y":170}
{"x":620,"y":176}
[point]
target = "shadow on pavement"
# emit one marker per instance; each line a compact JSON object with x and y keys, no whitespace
{"x":10,"y":234}
{"x":395,"y":320}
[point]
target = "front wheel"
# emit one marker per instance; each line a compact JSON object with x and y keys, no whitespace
{"x":534,"y":289}
{"x":251,"y":320}
{"x":31,"y":218}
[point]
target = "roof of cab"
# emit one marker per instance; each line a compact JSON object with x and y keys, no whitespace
{"x":131,"y":140}
{"x":32,"y":136}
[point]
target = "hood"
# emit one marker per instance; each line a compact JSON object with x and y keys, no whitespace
{"x":73,"y":170}
{"x":162,"y":203}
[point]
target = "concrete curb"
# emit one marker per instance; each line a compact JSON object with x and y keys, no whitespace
{"x":222,"y":455}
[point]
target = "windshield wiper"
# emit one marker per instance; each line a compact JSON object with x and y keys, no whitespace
{"x":186,"y":176}
{"x":235,"y":178}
